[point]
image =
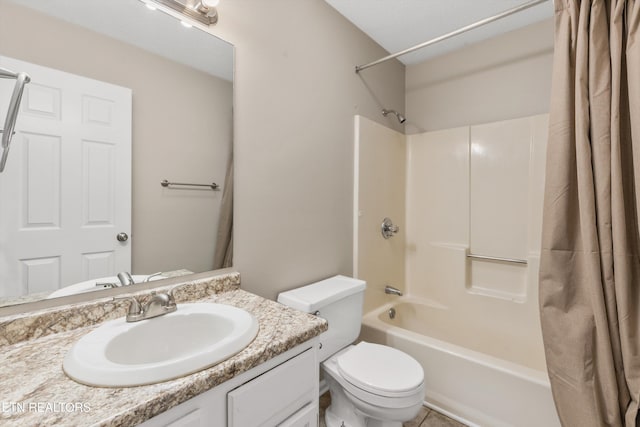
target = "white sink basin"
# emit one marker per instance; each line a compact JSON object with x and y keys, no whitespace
{"x":196,"y":336}
{"x":90,"y":285}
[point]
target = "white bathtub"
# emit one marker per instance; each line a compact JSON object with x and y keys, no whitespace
{"x":469,"y":375}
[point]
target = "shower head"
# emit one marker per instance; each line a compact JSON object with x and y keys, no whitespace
{"x":399,"y":116}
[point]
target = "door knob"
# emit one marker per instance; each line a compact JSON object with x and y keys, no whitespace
{"x":122,"y":237}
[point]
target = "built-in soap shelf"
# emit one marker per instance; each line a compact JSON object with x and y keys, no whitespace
{"x":491,"y":258}
{"x":513,"y":280}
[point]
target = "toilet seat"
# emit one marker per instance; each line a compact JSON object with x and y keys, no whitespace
{"x":380,"y":370}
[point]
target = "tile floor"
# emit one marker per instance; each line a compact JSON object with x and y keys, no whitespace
{"x":425,"y":418}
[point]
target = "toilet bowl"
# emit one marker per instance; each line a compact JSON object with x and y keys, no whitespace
{"x":371,"y":385}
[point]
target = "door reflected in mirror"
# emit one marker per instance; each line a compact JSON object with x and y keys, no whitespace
{"x":120,"y":99}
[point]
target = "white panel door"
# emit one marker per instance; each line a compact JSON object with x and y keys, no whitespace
{"x":66,"y":190}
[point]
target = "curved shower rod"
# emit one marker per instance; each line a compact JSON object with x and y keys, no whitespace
{"x":12,"y":113}
{"x":453,"y":33}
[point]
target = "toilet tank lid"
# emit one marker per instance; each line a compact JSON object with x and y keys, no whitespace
{"x":313,"y":297}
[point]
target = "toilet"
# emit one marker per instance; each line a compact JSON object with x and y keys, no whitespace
{"x":371,"y":385}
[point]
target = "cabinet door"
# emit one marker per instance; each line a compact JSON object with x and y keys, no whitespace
{"x":305,"y":417}
{"x":275,"y":395}
{"x":204,"y":410}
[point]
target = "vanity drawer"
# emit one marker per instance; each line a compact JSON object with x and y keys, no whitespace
{"x":275,"y":395}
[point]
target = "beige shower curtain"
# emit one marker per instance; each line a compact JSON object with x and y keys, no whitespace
{"x":590,"y":266}
{"x":223,"y":255}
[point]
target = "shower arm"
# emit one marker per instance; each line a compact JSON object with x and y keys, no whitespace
{"x":12,"y":113}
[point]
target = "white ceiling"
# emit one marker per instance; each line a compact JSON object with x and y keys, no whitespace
{"x":399,"y":24}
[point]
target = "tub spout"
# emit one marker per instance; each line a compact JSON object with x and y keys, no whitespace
{"x":392,"y":291}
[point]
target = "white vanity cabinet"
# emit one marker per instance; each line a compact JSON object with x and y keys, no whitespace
{"x":274,"y":396}
{"x":280,"y":392}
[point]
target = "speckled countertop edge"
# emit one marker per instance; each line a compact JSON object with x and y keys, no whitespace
{"x":31,"y":371}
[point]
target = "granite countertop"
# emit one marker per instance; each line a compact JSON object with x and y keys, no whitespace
{"x":35,"y":391}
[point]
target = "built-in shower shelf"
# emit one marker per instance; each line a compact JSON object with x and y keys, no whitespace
{"x":498,"y":259}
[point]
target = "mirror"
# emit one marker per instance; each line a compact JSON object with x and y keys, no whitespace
{"x":121,"y":98}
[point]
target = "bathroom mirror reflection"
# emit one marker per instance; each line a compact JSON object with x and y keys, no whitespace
{"x":121,"y":98}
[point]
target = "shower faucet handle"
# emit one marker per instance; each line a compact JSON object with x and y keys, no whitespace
{"x":388,"y":229}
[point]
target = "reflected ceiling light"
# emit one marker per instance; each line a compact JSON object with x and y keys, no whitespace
{"x":203,"y":11}
{"x":186,"y":24}
{"x":150,"y":5}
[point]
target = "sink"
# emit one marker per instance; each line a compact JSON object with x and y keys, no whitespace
{"x":90,"y":285}
{"x":195,"y":337}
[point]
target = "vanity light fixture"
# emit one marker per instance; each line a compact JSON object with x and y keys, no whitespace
{"x":203,"y":11}
{"x":208,"y":8}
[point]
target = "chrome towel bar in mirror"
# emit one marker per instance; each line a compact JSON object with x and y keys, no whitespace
{"x":166,"y":183}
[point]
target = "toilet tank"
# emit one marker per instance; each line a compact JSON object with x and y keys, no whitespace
{"x":339,"y":301}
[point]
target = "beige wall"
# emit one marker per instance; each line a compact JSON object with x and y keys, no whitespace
{"x":502,"y":78}
{"x":170,"y":104}
{"x":296,"y":95}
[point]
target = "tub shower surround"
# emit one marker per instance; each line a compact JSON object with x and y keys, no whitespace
{"x":35,"y":390}
{"x":469,"y":245}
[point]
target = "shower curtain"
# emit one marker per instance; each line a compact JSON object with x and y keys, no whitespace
{"x":590,"y":265}
{"x":223,"y":255}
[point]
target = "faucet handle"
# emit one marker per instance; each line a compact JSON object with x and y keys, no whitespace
{"x":170,"y":292}
{"x":135,"y":309}
{"x":151,"y":276}
{"x":158,"y":304}
{"x":388,"y":228}
{"x":162,"y":298}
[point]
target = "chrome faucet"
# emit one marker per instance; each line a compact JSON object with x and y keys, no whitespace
{"x":124,"y":279}
{"x":158,"y":304}
{"x":392,"y":291}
